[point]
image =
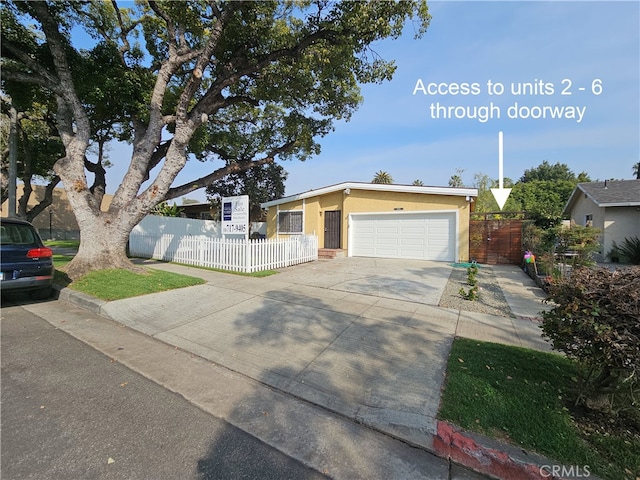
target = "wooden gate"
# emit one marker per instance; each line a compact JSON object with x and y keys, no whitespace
{"x":494,"y":241}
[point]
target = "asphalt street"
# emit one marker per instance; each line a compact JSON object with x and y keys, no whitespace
{"x":71,"y":412}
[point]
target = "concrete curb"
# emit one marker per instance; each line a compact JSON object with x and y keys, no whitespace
{"x":82,"y":300}
{"x":490,"y":457}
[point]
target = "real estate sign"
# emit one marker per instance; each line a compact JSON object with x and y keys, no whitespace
{"x":235,"y":215}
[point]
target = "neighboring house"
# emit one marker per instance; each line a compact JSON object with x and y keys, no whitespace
{"x":57,"y":221}
{"x":613,"y":206}
{"x":200,"y":211}
{"x":379,"y":220}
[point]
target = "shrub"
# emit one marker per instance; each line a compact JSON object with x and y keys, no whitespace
{"x":596,"y":321}
{"x":472,"y":294}
{"x":163,"y":209}
{"x":559,"y":249}
{"x":614,"y":254}
{"x":582,"y":241}
{"x":472,"y":272}
{"x":472,"y":281}
{"x":536,"y":239}
{"x":628,"y":252}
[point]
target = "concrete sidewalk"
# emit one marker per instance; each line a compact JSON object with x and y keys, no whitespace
{"x":363,"y":338}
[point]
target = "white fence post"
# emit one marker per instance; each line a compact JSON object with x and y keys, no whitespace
{"x":247,"y":255}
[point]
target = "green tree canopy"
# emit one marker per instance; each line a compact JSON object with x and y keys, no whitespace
{"x":552,"y":173}
{"x":542,"y":192}
{"x":261,"y":184}
{"x":38,"y":147}
{"x":486,"y":202}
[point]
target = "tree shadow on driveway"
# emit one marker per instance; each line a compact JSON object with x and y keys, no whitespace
{"x":381,"y":367}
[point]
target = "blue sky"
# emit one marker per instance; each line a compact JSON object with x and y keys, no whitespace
{"x":563,"y":45}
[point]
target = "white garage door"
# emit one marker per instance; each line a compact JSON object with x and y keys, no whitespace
{"x":424,"y":236}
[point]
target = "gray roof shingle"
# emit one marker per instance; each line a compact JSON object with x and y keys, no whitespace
{"x":617,"y":192}
{"x":612,"y":193}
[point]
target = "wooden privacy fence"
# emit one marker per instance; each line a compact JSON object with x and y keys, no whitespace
{"x":496,"y":241}
{"x":237,"y":255}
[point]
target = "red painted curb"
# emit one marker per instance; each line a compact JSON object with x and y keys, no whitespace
{"x":454,"y":445}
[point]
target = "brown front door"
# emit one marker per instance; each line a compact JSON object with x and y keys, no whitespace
{"x":332,"y":228}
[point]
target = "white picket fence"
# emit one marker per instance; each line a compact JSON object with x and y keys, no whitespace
{"x":236,"y":255}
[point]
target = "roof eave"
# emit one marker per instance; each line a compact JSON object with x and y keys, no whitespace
{"x":567,"y":207}
{"x":619,"y":204}
{"x":463,"y":192}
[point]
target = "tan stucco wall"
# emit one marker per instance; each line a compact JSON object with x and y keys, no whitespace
{"x":616,"y":223}
{"x":620,"y":223}
{"x":365,"y":201}
{"x":584,"y":206}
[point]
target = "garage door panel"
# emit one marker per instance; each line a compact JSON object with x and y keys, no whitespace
{"x":426,"y":236}
{"x":367,"y":228}
{"x":388,"y":242}
{"x":440,"y":239}
{"x":413,"y":242}
{"x":413,"y":231}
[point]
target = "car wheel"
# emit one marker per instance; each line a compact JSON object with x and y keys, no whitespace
{"x":41,"y":294}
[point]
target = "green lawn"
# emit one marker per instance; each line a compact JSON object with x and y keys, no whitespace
{"x":259,"y":274}
{"x":522,"y":396}
{"x":117,"y":284}
{"x":62,"y":243}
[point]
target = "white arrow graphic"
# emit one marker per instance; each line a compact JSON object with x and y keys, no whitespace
{"x":500,"y":194}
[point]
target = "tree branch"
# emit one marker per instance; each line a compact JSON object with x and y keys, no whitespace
{"x":99,"y":186}
{"x":157,"y":156}
{"x":216,"y":10}
{"x":124,"y":32}
{"x":66,"y":89}
{"x":203,"y":60}
{"x":232,"y":167}
{"x":37,"y":76}
{"x":211,"y":99}
{"x":203,"y":182}
{"x":27,"y":173}
{"x":46,"y":201}
{"x":27,"y":78}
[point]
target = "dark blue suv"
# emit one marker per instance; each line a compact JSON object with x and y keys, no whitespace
{"x":25,"y":263}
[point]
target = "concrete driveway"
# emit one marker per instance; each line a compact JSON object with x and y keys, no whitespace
{"x":408,"y":280}
{"x":361,"y":337}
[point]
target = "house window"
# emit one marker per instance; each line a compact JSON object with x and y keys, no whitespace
{"x":588,"y":220}
{"x":290,"y":221}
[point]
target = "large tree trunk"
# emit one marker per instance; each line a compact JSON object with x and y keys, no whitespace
{"x":104,"y":235}
{"x":103,"y":245}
